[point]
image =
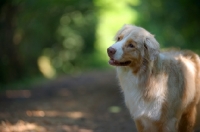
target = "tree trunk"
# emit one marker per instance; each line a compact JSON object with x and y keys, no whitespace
{"x":10,"y":68}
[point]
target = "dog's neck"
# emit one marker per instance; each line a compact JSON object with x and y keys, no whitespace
{"x":148,"y":70}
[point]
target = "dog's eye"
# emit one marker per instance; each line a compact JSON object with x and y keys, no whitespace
{"x":118,"y":38}
{"x":131,"y":46}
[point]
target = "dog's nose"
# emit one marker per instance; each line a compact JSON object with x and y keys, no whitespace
{"x":111,"y":51}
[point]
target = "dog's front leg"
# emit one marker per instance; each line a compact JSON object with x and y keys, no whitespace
{"x":146,"y":125}
{"x":139,"y":126}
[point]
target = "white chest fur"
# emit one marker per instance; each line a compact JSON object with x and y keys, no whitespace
{"x":134,"y":100}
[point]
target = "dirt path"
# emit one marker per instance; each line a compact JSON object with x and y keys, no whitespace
{"x":89,"y":102}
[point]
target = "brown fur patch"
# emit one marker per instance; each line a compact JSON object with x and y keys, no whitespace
{"x":132,"y":54}
{"x":139,"y":125}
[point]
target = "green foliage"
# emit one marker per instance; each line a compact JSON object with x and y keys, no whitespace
{"x":57,"y":29}
{"x":61,"y":30}
{"x":67,"y":36}
{"x":175,"y":23}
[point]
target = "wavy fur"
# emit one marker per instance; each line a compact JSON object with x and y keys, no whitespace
{"x":161,"y":89}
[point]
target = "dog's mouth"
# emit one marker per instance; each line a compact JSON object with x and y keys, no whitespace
{"x":117,"y":63}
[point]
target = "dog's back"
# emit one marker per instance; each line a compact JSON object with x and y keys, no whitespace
{"x":191,"y":70}
{"x":196,"y":61}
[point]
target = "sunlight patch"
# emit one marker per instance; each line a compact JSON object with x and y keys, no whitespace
{"x":46,"y":67}
{"x":114,"y":109}
{"x":112,"y":16}
{"x":75,"y":128}
{"x":40,"y":113}
{"x":20,"y":126}
{"x":37,"y":113}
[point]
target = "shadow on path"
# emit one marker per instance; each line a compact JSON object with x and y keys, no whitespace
{"x":90,"y":102}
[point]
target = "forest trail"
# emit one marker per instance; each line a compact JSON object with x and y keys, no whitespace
{"x":90,"y":102}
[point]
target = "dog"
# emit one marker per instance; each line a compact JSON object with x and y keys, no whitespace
{"x":161,"y":89}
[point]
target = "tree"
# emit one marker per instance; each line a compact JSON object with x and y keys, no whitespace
{"x":62,"y":31}
{"x":11,"y":63}
{"x":174,"y":23}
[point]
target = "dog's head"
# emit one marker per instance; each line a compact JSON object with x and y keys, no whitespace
{"x":133,"y":45}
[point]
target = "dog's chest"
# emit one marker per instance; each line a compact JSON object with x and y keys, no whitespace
{"x":134,"y":98}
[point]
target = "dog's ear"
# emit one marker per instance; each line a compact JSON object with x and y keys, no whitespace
{"x":151,"y":47}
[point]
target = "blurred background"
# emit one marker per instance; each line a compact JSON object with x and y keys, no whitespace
{"x":52,"y":37}
{"x":47,"y":39}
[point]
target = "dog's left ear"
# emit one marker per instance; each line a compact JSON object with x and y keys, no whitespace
{"x":151,"y":47}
